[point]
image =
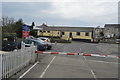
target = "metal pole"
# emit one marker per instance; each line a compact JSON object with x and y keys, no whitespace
{"x":0,"y":66}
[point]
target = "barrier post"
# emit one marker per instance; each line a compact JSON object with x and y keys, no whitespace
{"x":0,"y":66}
{"x":22,"y":44}
{"x":81,"y":51}
{"x":55,"y":42}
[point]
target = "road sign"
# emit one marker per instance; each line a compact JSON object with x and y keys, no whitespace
{"x":25,"y":28}
{"x":25,"y":31}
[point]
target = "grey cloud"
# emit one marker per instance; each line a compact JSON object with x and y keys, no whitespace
{"x":41,"y":12}
{"x":14,"y":8}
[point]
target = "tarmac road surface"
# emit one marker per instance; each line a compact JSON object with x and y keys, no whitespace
{"x":70,"y":66}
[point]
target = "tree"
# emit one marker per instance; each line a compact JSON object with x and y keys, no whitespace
{"x":101,"y":34}
{"x":7,"y":25}
{"x":31,"y":27}
{"x":18,"y":27}
{"x":33,"y":33}
{"x":33,"y":24}
{"x":44,"y":25}
{"x":6,"y":20}
{"x":10,"y":26}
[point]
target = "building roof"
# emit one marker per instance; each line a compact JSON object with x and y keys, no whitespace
{"x":64,"y":28}
{"x":112,"y":25}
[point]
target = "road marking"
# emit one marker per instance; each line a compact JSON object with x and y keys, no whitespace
{"x":104,"y":62}
{"x":93,"y":74}
{"x":84,"y":58}
{"x":91,"y":69}
{"x":28,"y":70}
{"x":47,"y":67}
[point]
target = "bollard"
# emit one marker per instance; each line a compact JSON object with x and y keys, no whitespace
{"x":55,"y":42}
{"x":81,"y":50}
{"x":22,"y":44}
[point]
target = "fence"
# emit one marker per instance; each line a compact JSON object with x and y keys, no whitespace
{"x":12,"y":62}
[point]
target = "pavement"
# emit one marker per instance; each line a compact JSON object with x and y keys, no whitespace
{"x":74,"y":66}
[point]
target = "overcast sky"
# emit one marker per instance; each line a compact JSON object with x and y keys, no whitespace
{"x":74,"y":13}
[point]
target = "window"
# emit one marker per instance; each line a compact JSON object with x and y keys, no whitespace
{"x":70,"y":35}
{"x":43,"y":39}
{"x":63,"y":33}
{"x":26,"y":41}
{"x":35,"y":43}
{"x":48,"y":31}
{"x":40,"y":31}
{"x":44,"y":31}
{"x":78,"y":33}
{"x":87,"y":34}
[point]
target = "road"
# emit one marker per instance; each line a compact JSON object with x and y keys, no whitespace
{"x":70,"y":66}
{"x":101,"y":48}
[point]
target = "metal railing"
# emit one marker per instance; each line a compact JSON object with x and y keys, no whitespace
{"x":12,"y":62}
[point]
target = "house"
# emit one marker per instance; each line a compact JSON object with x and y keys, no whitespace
{"x":67,"y":33}
{"x":98,"y":33}
{"x":111,"y":31}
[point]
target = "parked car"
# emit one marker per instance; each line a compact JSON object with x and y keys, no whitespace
{"x":46,"y":40}
{"x":31,"y":37}
{"x":118,"y":41}
{"x":41,"y":46}
{"x":8,"y":46}
{"x":10,"y":43}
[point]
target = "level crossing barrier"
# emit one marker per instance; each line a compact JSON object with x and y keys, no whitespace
{"x":78,"y":53}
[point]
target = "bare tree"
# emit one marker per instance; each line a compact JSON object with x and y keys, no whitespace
{"x":6,"y":20}
{"x":0,"y":21}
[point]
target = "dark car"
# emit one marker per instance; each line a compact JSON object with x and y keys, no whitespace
{"x":8,"y":46}
{"x":9,"y":43}
{"x":41,"y":46}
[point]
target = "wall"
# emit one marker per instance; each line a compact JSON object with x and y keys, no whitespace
{"x":51,"y":33}
{"x":82,"y":35}
{"x":66,"y":35}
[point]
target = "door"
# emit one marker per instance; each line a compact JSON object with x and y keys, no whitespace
{"x":70,"y":35}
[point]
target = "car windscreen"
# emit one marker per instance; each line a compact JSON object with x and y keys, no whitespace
{"x":26,"y":41}
{"x":41,"y":42}
{"x":43,"y":39}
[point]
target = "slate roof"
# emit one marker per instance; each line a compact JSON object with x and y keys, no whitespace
{"x":112,"y":25}
{"x":64,"y":28}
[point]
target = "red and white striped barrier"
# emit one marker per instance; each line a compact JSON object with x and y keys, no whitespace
{"x":82,"y":54}
{"x":43,"y":52}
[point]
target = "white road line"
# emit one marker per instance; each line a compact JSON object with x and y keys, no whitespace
{"x":47,"y":67}
{"x":93,"y":73}
{"x":91,"y":69}
{"x":28,"y":70}
{"x":104,"y":62}
{"x":84,"y":58}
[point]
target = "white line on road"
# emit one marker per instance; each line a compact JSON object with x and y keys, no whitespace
{"x":28,"y":70}
{"x":91,"y":69}
{"x":104,"y":62}
{"x":47,"y":67}
{"x":93,"y":74}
